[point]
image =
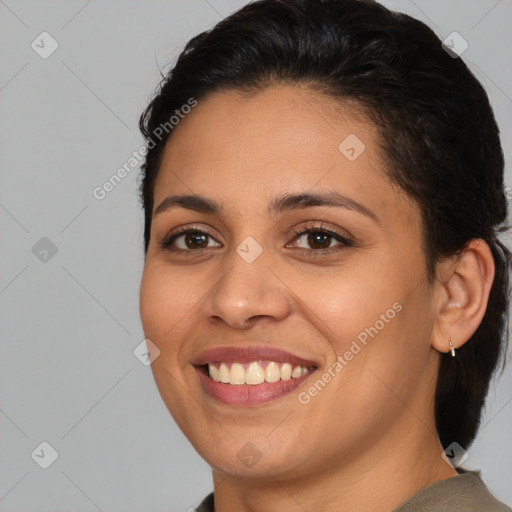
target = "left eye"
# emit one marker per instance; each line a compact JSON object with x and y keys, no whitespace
{"x":320,"y":238}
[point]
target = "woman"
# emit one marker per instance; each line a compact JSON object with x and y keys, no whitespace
{"x":323,"y":192}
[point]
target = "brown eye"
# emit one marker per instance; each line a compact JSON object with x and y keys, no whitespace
{"x":189,"y":240}
{"x":196,"y":240}
{"x":319,"y":239}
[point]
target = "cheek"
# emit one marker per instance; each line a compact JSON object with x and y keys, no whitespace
{"x":162,"y":308}
{"x":150,"y":306}
{"x":170,"y":310}
{"x":346,"y":304}
{"x":372,"y":315}
{"x":162,"y":304}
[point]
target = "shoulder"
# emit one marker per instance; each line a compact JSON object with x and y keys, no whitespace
{"x":462,"y":493}
{"x":206,"y":505}
{"x":465,"y":492}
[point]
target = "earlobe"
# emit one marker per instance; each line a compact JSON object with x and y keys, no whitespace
{"x":452,"y":350}
{"x":464,"y":290}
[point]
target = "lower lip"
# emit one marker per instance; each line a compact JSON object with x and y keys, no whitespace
{"x":248,"y":394}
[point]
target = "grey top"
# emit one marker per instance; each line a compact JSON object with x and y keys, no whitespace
{"x":465,"y":492}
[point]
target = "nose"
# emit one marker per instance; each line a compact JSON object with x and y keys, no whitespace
{"x":246,"y":294}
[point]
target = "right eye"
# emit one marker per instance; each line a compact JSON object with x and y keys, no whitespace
{"x":188,"y":239}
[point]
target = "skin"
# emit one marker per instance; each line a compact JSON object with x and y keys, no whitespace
{"x":372,"y":424}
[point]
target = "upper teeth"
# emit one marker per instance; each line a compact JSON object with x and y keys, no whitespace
{"x":255,"y":372}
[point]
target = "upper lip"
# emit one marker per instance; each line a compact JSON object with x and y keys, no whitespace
{"x":249,"y":354}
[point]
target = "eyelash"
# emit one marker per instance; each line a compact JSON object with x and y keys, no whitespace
{"x":315,"y":253}
{"x":305,"y":230}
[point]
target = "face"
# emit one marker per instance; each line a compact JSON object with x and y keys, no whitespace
{"x":298,"y":256}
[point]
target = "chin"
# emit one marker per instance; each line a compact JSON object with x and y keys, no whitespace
{"x":253,"y":455}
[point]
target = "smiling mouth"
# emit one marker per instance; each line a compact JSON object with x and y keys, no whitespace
{"x":251,"y":384}
{"x":251,"y":375}
{"x":255,"y":372}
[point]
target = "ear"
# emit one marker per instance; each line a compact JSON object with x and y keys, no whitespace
{"x":463,"y":285}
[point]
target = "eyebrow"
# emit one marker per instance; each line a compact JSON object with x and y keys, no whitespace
{"x":284,"y":203}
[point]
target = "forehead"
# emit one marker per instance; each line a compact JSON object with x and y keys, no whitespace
{"x":283,"y":136}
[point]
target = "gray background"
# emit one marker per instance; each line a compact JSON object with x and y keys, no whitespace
{"x":68,"y":375}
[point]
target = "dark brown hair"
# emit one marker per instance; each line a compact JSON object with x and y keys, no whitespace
{"x":437,"y":130}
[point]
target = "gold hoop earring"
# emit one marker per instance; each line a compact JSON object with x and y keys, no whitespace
{"x":452,"y":350}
